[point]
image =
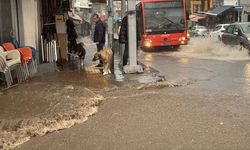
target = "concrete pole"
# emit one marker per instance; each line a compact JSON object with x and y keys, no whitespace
{"x":110,"y":23}
{"x":132,"y":67}
{"x":238,"y":11}
{"x":243,"y":15}
{"x":122,"y":46}
{"x":111,"y":28}
{"x":123,"y":8}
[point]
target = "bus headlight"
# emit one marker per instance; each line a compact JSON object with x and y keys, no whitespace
{"x":147,"y":43}
{"x":182,"y":38}
{"x":188,"y":36}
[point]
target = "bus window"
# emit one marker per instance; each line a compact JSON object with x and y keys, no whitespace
{"x":164,"y":17}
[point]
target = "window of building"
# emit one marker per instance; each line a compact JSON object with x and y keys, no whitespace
{"x":8,"y":21}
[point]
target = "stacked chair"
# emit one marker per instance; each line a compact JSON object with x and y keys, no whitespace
{"x":26,"y":66}
{"x":10,"y":60}
{"x":33,"y":64}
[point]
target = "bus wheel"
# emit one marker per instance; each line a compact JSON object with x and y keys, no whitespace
{"x":176,"y":47}
{"x":241,"y":47}
{"x":147,"y":49}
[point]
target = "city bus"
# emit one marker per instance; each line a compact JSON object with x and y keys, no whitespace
{"x":162,"y":23}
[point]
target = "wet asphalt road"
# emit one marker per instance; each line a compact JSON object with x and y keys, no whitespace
{"x":224,"y":69}
{"x":213,"y":75}
{"x":211,"y":113}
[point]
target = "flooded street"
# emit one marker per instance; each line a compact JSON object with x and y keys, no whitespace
{"x":213,"y":65}
{"x":208,"y":48}
{"x":56,"y":98}
{"x":47,"y":103}
{"x":193,"y":98}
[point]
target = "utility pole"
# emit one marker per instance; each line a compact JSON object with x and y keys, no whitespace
{"x":110,"y":23}
{"x":239,"y":14}
{"x":123,"y":9}
{"x":122,"y":46}
{"x":132,"y":67}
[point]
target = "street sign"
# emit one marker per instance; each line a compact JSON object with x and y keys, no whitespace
{"x":59,"y":18}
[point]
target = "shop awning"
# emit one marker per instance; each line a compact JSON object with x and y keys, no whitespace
{"x":195,"y":18}
{"x":238,"y":8}
{"x":74,"y":16}
{"x":218,"y":10}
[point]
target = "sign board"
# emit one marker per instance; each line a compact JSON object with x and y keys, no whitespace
{"x":82,"y":4}
{"x":238,"y":8}
{"x":230,"y":2}
{"x":61,"y":27}
{"x":59,"y":18}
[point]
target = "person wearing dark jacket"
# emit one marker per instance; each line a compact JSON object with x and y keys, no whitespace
{"x":72,"y":35}
{"x":123,"y":37}
{"x":99,"y":34}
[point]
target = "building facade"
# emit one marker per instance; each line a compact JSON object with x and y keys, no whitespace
{"x":230,"y":2}
{"x":197,"y":9}
{"x":23,"y":23}
{"x":246,"y":10}
{"x":198,"y":6}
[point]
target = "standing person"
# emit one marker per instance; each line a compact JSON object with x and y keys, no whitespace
{"x":123,"y":38}
{"x":99,"y":34}
{"x":72,"y":35}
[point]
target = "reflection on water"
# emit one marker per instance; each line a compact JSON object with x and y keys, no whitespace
{"x":148,"y":57}
{"x":183,"y":60}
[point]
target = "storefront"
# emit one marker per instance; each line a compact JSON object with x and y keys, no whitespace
{"x":19,"y":20}
{"x":221,"y":15}
{"x":246,"y":10}
{"x":8,"y":21}
{"x":197,"y":19}
{"x":246,"y":16}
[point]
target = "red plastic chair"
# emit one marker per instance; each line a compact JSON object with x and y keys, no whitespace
{"x":26,"y":57}
{"x":26,"y":52}
{"x":8,"y":46}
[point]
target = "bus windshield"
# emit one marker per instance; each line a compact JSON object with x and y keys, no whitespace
{"x":164,"y":17}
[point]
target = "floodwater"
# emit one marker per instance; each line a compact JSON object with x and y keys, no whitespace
{"x":54,"y":100}
{"x":48,"y":102}
{"x":208,"y":48}
{"x":210,"y":63}
{"x":57,"y":98}
{"x":156,"y":115}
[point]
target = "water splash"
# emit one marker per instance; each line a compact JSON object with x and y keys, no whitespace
{"x":165,"y":84}
{"x":207,"y":48}
{"x":68,"y":112}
